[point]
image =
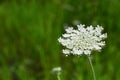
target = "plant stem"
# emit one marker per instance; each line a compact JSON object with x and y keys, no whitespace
{"x":92,"y":67}
{"x":58,"y":76}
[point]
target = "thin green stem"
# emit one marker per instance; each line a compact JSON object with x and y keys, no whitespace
{"x":92,"y":67}
{"x":58,"y":76}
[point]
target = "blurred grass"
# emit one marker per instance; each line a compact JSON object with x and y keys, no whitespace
{"x":28,"y":39}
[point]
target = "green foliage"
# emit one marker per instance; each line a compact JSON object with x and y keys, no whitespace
{"x":29,"y":30}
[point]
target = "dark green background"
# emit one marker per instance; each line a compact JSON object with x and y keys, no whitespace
{"x":29,"y":30}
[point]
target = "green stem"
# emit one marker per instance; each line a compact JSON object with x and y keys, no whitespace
{"x":58,"y":76}
{"x":92,"y":67}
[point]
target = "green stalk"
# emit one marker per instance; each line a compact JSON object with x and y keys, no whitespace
{"x":93,"y":72}
{"x":58,"y":76}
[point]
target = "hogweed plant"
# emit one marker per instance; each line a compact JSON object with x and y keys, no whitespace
{"x":83,"y":40}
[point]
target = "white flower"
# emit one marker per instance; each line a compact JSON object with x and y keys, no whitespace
{"x":82,"y":40}
{"x":56,"y":70}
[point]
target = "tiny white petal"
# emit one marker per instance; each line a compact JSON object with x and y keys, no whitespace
{"x":69,"y":29}
{"x":81,"y":28}
{"x":89,"y":28}
{"x":103,"y":36}
{"x":97,"y":47}
{"x":66,"y":51}
{"x":66,"y":35}
{"x":76,"y":51}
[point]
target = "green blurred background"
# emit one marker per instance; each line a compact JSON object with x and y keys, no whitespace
{"x":29,"y":30}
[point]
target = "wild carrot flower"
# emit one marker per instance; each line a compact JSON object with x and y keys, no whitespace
{"x":82,"y":40}
{"x":56,"y":70}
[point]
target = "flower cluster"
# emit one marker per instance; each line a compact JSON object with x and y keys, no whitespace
{"x":82,"y":40}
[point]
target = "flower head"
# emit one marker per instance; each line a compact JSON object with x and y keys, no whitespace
{"x":82,"y":40}
{"x":57,"y":70}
